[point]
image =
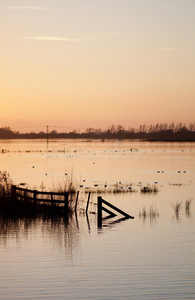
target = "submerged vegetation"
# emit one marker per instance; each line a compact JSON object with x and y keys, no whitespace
{"x":116,"y":188}
{"x":157,"y":132}
{"x":119,"y":188}
{"x":177,"y":207}
{"x":26,"y":202}
{"x":5,"y":184}
{"x":149,"y":189}
{"x":151,"y":213}
{"x":187,"y":206}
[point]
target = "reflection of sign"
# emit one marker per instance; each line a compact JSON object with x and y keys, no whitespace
{"x":110,"y":213}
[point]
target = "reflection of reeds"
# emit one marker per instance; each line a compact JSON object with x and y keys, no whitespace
{"x":60,"y":232}
{"x":152,"y":213}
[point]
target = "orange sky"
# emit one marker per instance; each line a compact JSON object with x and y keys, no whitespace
{"x":89,"y":63}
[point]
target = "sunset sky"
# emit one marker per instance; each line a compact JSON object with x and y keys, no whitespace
{"x":93,"y":63}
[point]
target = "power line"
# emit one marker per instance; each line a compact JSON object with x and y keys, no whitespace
{"x":49,"y":126}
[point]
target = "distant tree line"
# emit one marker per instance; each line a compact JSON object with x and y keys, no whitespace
{"x":157,"y":132}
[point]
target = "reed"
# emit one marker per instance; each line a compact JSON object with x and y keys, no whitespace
{"x":187,"y":205}
{"x":149,"y":189}
{"x":177,"y":207}
{"x":24,"y":205}
{"x":151,"y":213}
{"x":117,"y":188}
{"x":5,"y":184}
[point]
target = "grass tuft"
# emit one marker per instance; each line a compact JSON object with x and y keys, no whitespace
{"x":177,"y":207}
{"x":187,"y":205}
{"x":151,"y":213}
{"x":149,"y":189}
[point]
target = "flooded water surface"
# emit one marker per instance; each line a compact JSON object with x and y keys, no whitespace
{"x":149,"y":257}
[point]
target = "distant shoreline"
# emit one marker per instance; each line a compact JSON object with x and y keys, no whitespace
{"x":89,"y":139}
{"x":157,"y":133}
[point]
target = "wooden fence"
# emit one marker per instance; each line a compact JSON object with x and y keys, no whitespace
{"x":40,"y":196}
{"x":46,"y":197}
{"x":49,"y":197}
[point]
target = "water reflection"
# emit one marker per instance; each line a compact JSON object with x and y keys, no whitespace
{"x":60,"y":232}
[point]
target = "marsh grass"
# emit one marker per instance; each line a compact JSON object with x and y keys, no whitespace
{"x":120,"y":188}
{"x":117,"y":188}
{"x":23,"y":205}
{"x":151,"y":213}
{"x":69,"y":185}
{"x":5,"y":184}
{"x":187,"y":206}
{"x":177,"y":208}
{"x":149,"y":189}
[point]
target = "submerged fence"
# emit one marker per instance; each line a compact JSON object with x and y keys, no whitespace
{"x":50,"y":199}
{"x":24,"y":193}
{"x":47,"y":197}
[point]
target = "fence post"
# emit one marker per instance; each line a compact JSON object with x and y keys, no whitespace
{"x":51,"y":199}
{"x":99,"y":211}
{"x":76,"y":200}
{"x":13,"y":192}
{"x":66,"y":194}
{"x":88,"y":202}
{"x":35,"y":196}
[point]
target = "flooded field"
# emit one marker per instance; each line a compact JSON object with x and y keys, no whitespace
{"x":149,"y":257}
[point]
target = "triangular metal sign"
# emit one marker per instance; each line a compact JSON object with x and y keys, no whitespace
{"x":110,"y":213}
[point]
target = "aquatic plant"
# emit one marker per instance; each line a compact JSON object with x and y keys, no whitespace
{"x":143,"y":213}
{"x":115,"y":189}
{"x":5,"y":184}
{"x":69,"y":185}
{"x":21,"y":201}
{"x":152,"y":213}
{"x":177,"y":207}
{"x":187,"y":205}
{"x":148,"y":189}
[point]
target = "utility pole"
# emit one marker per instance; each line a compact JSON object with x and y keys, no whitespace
{"x":47,"y":127}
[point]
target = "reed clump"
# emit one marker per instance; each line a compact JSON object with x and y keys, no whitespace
{"x":151,"y":213}
{"x":149,"y":189}
{"x":5,"y":184}
{"x":117,"y":188}
{"x":22,"y":201}
{"x":68,"y":186}
{"x":187,"y":205}
{"x":177,"y":208}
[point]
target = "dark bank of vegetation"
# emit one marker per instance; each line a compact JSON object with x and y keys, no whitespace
{"x":159,"y":132}
{"x":22,"y":205}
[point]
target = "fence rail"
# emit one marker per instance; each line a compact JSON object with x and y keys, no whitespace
{"x":24,"y":193}
{"x":39,"y":192}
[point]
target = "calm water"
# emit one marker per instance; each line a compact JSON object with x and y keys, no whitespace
{"x":144,"y":258}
